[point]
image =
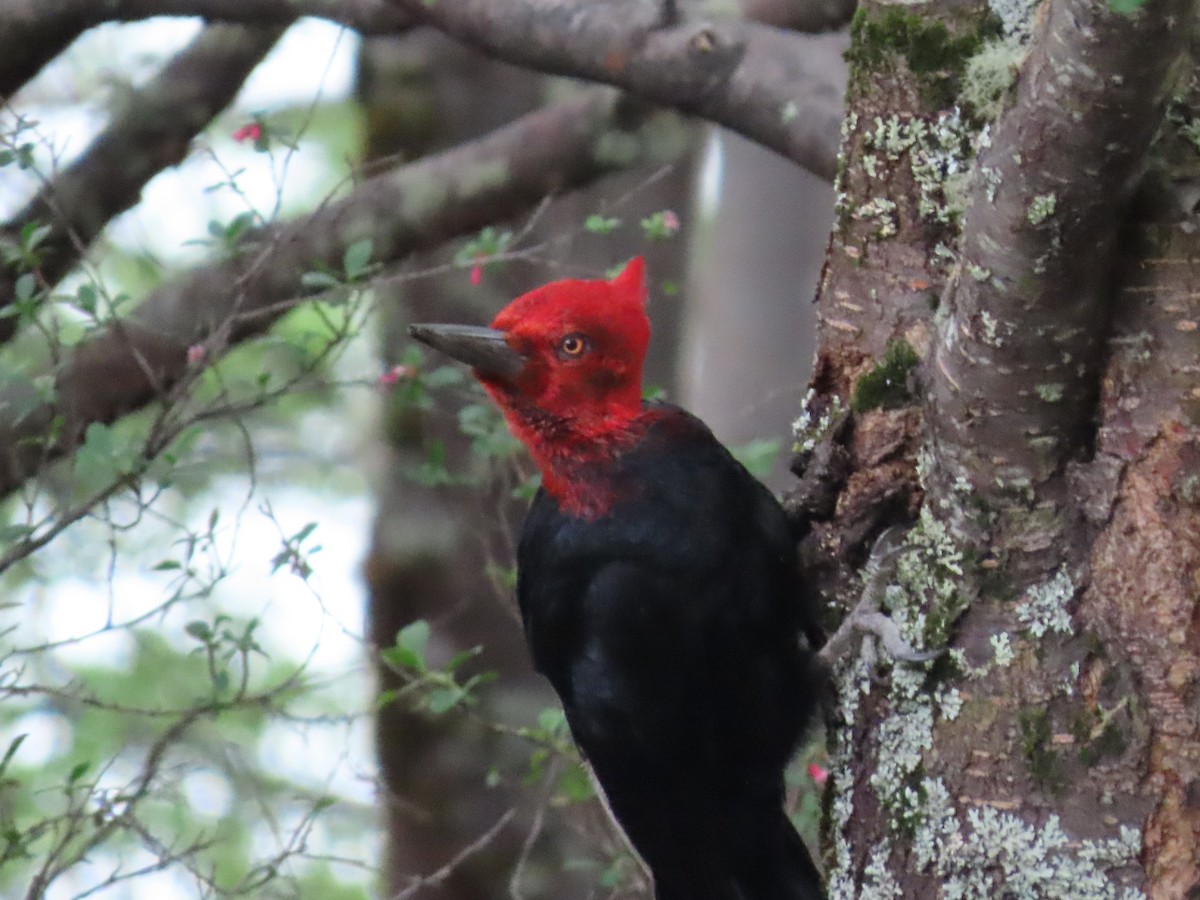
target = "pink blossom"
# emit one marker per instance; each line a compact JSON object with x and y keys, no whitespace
{"x":476,"y":274}
{"x":196,"y":354}
{"x":819,"y":774}
{"x":394,"y":374}
{"x":251,"y":131}
{"x":670,"y":220}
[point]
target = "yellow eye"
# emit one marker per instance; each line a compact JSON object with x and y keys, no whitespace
{"x":572,"y":346}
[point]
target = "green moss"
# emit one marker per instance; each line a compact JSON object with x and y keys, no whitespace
{"x":886,"y":386}
{"x":1042,"y":761}
{"x":935,"y":56}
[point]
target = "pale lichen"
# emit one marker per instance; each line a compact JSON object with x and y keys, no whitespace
{"x":809,"y":429}
{"x":1002,"y":650}
{"x":1041,"y":208}
{"x":997,"y":853}
{"x":1044,"y":609}
{"x":1051,"y":392}
{"x":938,"y":155}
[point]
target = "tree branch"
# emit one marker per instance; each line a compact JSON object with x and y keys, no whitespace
{"x":800,"y":15}
{"x":33,"y":32}
{"x":1012,"y":381}
{"x":152,"y":130}
{"x":137,"y":360}
{"x":779,"y":88}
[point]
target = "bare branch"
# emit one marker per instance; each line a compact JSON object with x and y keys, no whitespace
{"x":1013,"y":377}
{"x":152,"y":130}
{"x":130,"y":363}
{"x":33,"y":32}
{"x":779,"y":88}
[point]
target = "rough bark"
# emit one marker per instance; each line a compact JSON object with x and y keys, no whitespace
{"x":1013,"y":378}
{"x":1053,"y":751}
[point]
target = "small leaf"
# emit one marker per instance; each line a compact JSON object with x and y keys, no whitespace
{"x":357,"y":258}
{"x":598,"y":224}
{"x":78,"y":771}
{"x":442,"y":700}
{"x":301,"y":535}
{"x":411,"y":641}
{"x":461,"y":657}
{"x":199,"y":630}
{"x":33,"y":234}
{"x":87,"y":299}
{"x":321,"y":281}
{"x":13,"y":747}
{"x":575,"y":785}
{"x":551,"y":719}
{"x":25,"y":287}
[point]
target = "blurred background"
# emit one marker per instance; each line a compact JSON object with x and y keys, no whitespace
{"x":203,"y":691}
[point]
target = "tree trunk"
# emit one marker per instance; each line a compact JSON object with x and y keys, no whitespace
{"x":1016,"y":339}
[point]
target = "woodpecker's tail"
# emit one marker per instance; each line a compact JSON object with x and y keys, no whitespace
{"x":769,"y":862}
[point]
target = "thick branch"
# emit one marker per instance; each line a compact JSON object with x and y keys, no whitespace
{"x":779,"y":88}
{"x":1013,"y":380}
{"x":33,"y":32}
{"x":800,"y":15}
{"x":152,"y":130}
{"x":133,"y":362}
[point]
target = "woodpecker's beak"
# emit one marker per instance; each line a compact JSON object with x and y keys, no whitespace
{"x":483,"y":349}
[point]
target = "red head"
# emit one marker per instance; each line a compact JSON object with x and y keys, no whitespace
{"x":583,"y":343}
{"x":564,"y":363}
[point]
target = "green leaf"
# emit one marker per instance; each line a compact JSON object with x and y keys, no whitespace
{"x":462,"y":656}
{"x":87,"y":299}
{"x":551,"y":719}
{"x":598,"y":224}
{"x":33,"y":234}
{"x":78,"y":771}
{"x":442,"y":700}
{"x":575,"y":785}
{"x":357,"y":259}
{"x":409,"y":650}
{"x":13,"y":747}
{"x":25,"y":287}
{"x":321,"y":281}
{"x":199,"y":630}
{"x":1126,"y":7}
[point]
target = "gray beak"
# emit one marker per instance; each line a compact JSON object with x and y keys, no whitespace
{"x":483,"y":349}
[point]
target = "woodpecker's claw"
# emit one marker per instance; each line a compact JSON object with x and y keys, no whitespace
{"x":866,"y":618}
{"x":882,"y":627}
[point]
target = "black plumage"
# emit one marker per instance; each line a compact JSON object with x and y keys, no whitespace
{"x":677,"y":631}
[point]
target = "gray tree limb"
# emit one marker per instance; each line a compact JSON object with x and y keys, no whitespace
{"x":133,"y":362}
{"x":153,"y":129}
{"x":1012,"y":381}
{"x":799,"y":15}
{"x":779,"y":88}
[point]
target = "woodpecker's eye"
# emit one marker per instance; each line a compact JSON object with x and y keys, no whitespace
{"x":572,"y":346}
